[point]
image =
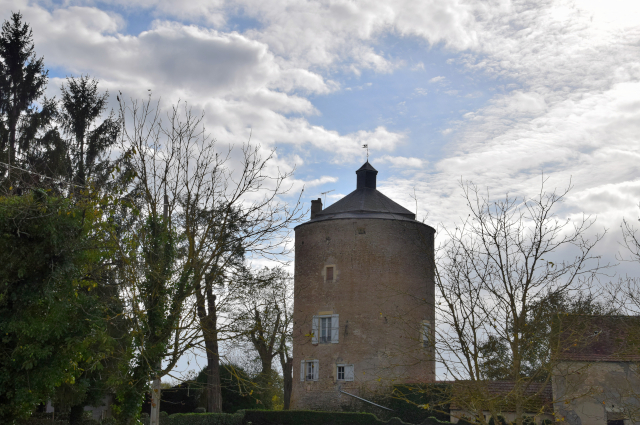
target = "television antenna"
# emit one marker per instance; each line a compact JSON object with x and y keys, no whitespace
{"x":325,"y":195}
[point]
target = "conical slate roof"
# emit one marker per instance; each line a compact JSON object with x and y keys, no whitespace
{"x":365,"y":202}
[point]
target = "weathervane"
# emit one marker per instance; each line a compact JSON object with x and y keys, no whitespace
{"x":367,"y":148}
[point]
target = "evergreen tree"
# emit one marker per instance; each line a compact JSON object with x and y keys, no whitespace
{"x":81,"y":106}
{"x":22,"y":80}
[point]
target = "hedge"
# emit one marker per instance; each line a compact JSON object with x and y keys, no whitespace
{"x":199,"y":419}
{"x":312,"y":417}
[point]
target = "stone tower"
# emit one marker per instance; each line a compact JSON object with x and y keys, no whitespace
{"x":364,"y":299}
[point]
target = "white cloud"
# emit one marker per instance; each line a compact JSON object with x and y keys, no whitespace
{"x":402,"y":162}
{"x":566,"y":77}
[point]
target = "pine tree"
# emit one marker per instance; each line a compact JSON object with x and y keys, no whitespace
{"x":81,"y":106}
{"x":22,"y":79}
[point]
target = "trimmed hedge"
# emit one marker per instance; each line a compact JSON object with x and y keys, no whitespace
{"x":312,"y":417}
{"x":200,"y":419}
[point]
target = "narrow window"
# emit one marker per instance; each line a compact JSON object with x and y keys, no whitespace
{"x":310,"y":371}
{"x":341,"y":373}
{"x":426,"y":334}
{"x":325,"y":329}
{"x":329,"y":274}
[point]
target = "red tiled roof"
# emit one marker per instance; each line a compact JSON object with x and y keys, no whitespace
{"x":599,"y":338}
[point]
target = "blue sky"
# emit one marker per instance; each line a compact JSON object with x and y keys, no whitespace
{"x":495,"y":92}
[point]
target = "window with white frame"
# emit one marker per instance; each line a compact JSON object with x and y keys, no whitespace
{"x":325,"y":329}
{"x":345,"y":372}
{"x":309,"y":370}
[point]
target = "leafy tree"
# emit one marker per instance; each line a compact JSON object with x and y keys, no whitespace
{"x":80,"y":107}
{"x":22,"y":81}
{"x":496,"y":358}
{"x":51,"y":324}
{"x":236,"y":386}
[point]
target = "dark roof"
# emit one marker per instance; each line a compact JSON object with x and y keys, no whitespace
{"x":365,"y":202}
{"x":502,"y":394}
{"x":367,"y":166}
{"x":599,"y":338}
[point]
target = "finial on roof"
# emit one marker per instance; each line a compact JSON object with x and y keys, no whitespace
{"x":366,"y":176}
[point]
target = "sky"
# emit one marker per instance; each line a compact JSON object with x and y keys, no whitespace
{"x":496,"y":92}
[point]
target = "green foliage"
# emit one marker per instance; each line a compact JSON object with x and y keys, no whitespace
{"x":49,"y":249}
{"x":237,"y":388}
{"x":199,"y":419}
{"x":22,"y":80}
{"x":496,"y":363}
{"x":80,"y":107}
{"x":311,"y":417}
{"x":416,"y":403}
{"x":205,"y":419}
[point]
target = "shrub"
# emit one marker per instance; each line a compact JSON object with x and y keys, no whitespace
{"x":310,"y":417}
{"x":199,"y":419}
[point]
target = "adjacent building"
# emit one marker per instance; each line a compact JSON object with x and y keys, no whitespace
{"x":596,"y":380}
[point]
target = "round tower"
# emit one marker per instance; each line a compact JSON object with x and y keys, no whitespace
{"x":364,"y":299}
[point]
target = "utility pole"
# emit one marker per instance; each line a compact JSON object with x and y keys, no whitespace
{"x":156,"y":386}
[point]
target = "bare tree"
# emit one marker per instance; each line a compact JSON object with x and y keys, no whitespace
{"x":221,"y":210}
{"x":498,"y":278}
{"x":264,"y":317}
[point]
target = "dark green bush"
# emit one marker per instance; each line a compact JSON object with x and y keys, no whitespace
{"x":435,"y":421}
{"x":310,"y":417}
{"x":199,"y":419}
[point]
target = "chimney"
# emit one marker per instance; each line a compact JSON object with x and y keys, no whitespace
{"x":316,"y":207}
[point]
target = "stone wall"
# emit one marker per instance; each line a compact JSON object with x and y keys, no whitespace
{"x":593,"y":393}
{"x":382,"y":291}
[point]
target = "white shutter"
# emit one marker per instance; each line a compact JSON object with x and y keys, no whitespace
{"x":348,"y":372}
{"x":316,"y":367}
{"x":314,"y":330}
{"x":303,"y":365}
{"x":335,"y":329}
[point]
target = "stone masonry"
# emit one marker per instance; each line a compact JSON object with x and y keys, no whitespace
{"x":369,"y":272}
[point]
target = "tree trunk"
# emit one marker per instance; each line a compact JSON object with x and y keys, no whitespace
{"x":80,"y":141}
{"x":287,"y":371}
{"x":214,"y":392}
{"x":156,"y":396}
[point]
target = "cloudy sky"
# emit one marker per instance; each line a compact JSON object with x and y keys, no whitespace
{"x":496,"y":91}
